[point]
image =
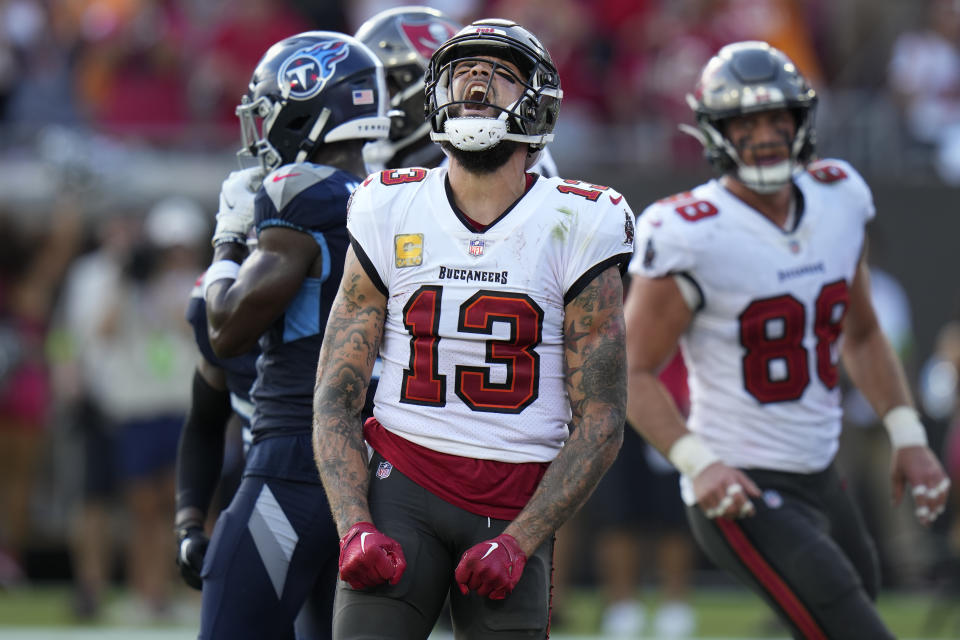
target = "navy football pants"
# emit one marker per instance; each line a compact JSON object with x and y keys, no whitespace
{"x":271,"y":568}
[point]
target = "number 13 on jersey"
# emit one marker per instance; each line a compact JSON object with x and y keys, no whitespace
{"x":516,"y":356}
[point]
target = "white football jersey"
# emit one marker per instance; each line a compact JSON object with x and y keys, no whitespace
{"x":473,"y":339}
{"x":763,"y":348}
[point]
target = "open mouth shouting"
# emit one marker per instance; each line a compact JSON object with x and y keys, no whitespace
{"x":476,"y":93}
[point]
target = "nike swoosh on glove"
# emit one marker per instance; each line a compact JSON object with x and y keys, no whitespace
{"x":368,"y":558}
{"x":491,"y":568}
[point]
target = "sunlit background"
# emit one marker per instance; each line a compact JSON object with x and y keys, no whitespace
{"x":117,"y":126}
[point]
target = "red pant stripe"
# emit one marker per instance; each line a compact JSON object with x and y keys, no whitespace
{"x":769,"y":579}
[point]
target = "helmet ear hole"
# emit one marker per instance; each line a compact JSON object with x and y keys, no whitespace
{"x":297,"y":124}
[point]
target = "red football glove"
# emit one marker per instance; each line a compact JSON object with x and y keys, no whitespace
{"x":491,"y":568}
{"x":368,"y":558}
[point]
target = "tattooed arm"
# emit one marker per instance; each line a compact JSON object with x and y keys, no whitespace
{"x":595,"y":362}
{"x":350,"y":346}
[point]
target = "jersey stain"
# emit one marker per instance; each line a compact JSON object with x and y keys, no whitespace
{"x":562,"y":229}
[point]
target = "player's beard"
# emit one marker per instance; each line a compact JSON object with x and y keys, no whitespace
{"x":486,"y":161}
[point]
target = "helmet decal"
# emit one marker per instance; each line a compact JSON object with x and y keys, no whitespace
{"x":427,"y":37}
{"x":307,"y":70}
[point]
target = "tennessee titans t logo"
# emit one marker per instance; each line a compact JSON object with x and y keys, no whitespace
{"x":307,"y":71}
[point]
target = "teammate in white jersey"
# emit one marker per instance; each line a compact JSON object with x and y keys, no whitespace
{"x":761,"y":277}
{"x":493,"y":296}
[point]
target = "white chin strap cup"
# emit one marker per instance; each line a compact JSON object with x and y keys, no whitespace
{"x":474,"y":134}
{"x":766,"y":179}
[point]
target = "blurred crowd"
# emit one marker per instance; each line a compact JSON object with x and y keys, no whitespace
{"x":95,"y":355}
{"x":169,"y":72}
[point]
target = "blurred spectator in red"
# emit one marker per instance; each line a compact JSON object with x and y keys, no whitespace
{"x":569,"y":31}
{"x":235,"y":45}
{"x":658,"y":56}
{"x":132,"y":70}
{"x":782,"y":23}
{"x":32,"y":265}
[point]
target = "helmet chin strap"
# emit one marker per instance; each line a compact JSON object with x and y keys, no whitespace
{"x":766,"y":179}
{"x":761,"y":178}
{"x":475,"y":134}
{"x":315,"y":130}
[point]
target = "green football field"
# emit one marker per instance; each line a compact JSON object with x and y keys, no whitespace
{"x":44,"y":613}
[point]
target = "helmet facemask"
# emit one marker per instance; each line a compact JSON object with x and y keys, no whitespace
{"x":759,"y":178}
{"x":477,"y":133}
{"x":407,"y":131}
{"x":256,"y":118}
{"x":529,"y":120}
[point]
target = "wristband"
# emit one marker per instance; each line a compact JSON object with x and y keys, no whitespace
{"x":227,"y":237}
{"x":220,"y":270}
{"x":905,"y":429}
{"x":691,"y":455}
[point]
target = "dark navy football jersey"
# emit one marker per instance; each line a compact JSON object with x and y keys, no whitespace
{"x":313,"y":199}
{"x":239,"y":371}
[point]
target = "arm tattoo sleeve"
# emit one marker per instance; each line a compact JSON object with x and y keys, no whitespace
{"x":595,"y":360}
{"x":350,"y":345}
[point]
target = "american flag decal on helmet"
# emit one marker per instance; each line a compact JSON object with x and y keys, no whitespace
{"x":362,"y":96}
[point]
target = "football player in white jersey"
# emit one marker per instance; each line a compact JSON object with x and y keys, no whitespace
{"x":493,"y":296}
{"x":760,"y":276}
{"x":404,"y":38}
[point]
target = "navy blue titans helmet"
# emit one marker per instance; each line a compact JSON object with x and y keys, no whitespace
{"x":310,"y":89}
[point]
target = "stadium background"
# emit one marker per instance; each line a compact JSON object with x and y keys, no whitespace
{"x":110,"y":106}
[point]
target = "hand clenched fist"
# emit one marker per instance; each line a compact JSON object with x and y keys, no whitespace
{"x":491,"y":568}
{"x":368,"y":558}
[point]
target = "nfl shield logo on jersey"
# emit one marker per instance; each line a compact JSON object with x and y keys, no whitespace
{"x":384,"y":469}
{"x":476,"y":247}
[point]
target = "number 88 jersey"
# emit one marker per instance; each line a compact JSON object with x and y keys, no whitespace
{"x":473,"y":338}
{"x":762,"y":349}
